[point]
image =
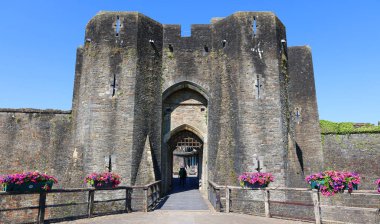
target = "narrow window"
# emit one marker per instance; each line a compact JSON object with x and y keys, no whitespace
{"x":258,"y":86}
{"x":224,"y":43}
{"x":171,"y":49}
{"x":298,"y":115}
{"x":254,"y":27}
{"x":113,"y":85}
{"x":110,"y":162}
{"x":118,"y":25}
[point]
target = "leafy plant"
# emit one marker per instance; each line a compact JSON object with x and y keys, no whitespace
{"x":101,"y":179}
{"x":260,"y":179}
{"x":26,"y":178}
{"x":331,"y":182}
{"x":328,"y":127}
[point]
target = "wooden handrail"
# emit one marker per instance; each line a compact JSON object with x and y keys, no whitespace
{"x":70,"y":190}
{"x":286,"y":189}
{"x":216,"y":186}
{"x":155,"y":192}
{"x":315,"y":195}
{"x":91,"y":195}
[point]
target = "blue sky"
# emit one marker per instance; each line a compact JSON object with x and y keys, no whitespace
{"x":38,"y":40}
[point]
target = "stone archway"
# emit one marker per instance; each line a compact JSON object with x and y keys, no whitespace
{"x":186,"y":149}
{"x":185,"y":115}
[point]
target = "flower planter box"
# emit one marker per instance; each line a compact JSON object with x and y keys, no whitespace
{"x":29,"y":187}
{"x":105,"y":180}
{"x":255,"y":180}
{"x":315,"y":184}
{"x":331,"y":182}
{"x":103,"y":185}
{"x":354,"y":187}
{"x":255,"y":185}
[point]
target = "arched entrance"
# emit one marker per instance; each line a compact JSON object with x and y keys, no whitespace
{"x":186,"y":150}
{"x":184,"y":133}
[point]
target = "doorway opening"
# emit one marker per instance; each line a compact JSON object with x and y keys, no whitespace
{"x":187,"y":153}
{"x":184,"y":135}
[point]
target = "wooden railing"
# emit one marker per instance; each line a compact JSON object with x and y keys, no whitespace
{"x":150,"y":199}
{"x":152,"y":195}
{"x":216,"y":198}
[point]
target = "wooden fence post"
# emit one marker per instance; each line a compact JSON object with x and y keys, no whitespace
{"x":228,"y":200}
{"x":41,"y":208}
{"x":153,"y":194}
{"x":91,"y":196}
{"x":156,"y":197}
{"x":217,"y":199}
{"x":266,"y":203}
{"x":317,"y":207}
{"x":128,"y":200}
{"x":145,"y":199}
{"x":159,"y":191}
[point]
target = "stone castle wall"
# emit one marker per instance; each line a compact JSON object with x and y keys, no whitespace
{"x":37,"y":140}
{"x":354,"y":152}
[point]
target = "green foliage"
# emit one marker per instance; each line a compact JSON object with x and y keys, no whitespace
{"x":328,"y":127}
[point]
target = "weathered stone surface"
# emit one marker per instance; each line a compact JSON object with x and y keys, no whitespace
{"x":354,"y":152}
{"x":37,"y":140}
{"x":305,"y":154}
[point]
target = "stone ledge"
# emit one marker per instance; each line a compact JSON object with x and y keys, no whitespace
{"x":30,"y":110}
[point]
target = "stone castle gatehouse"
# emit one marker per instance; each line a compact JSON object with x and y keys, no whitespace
{"x":232,"y":95}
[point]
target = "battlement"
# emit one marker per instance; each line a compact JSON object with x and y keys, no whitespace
{"x":124,"y":27}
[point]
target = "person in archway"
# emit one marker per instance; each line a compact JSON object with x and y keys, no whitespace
{"x":182,"y":176}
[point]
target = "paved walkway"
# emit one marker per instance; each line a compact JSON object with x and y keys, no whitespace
{"x":181,"y":217}
{"x":184,"y":205}
{"x":184,"y":198}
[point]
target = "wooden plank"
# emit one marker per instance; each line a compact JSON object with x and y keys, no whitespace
{"x":266,"y":203}
{"x":19,"y":209}
{"x":217,"y":200}
{"x":67,"y":204}
{"x":228,"y":190}
{"x":91,"y":196}
{"x":292,"y":203}
{"x":128,"y":200}
{"x":317,"y":208}
{"x":41,"y":209}
{"x":109,"y":200}
{"x":145,"y":200}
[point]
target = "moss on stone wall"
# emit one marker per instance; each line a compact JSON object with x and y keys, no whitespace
{"x":328,"y":127}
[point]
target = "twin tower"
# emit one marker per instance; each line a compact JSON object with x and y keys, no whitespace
{"x":233,"y":91}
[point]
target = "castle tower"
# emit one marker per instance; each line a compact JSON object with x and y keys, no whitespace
{"x":225,"y":88}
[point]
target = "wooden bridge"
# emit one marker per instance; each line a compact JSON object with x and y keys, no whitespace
{"x":143,"y":204}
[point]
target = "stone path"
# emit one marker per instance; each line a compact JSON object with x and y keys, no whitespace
{"x":184,"y":198}
{"x":182,"y":217}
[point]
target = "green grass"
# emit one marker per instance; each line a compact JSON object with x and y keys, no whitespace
{"x":328,"y":127}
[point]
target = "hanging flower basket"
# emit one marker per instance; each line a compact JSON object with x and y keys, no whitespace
{"x":255,"y":180}
{"x":103,"y":180}
{"x":27,"y":182}
{"x":331,"y":182}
